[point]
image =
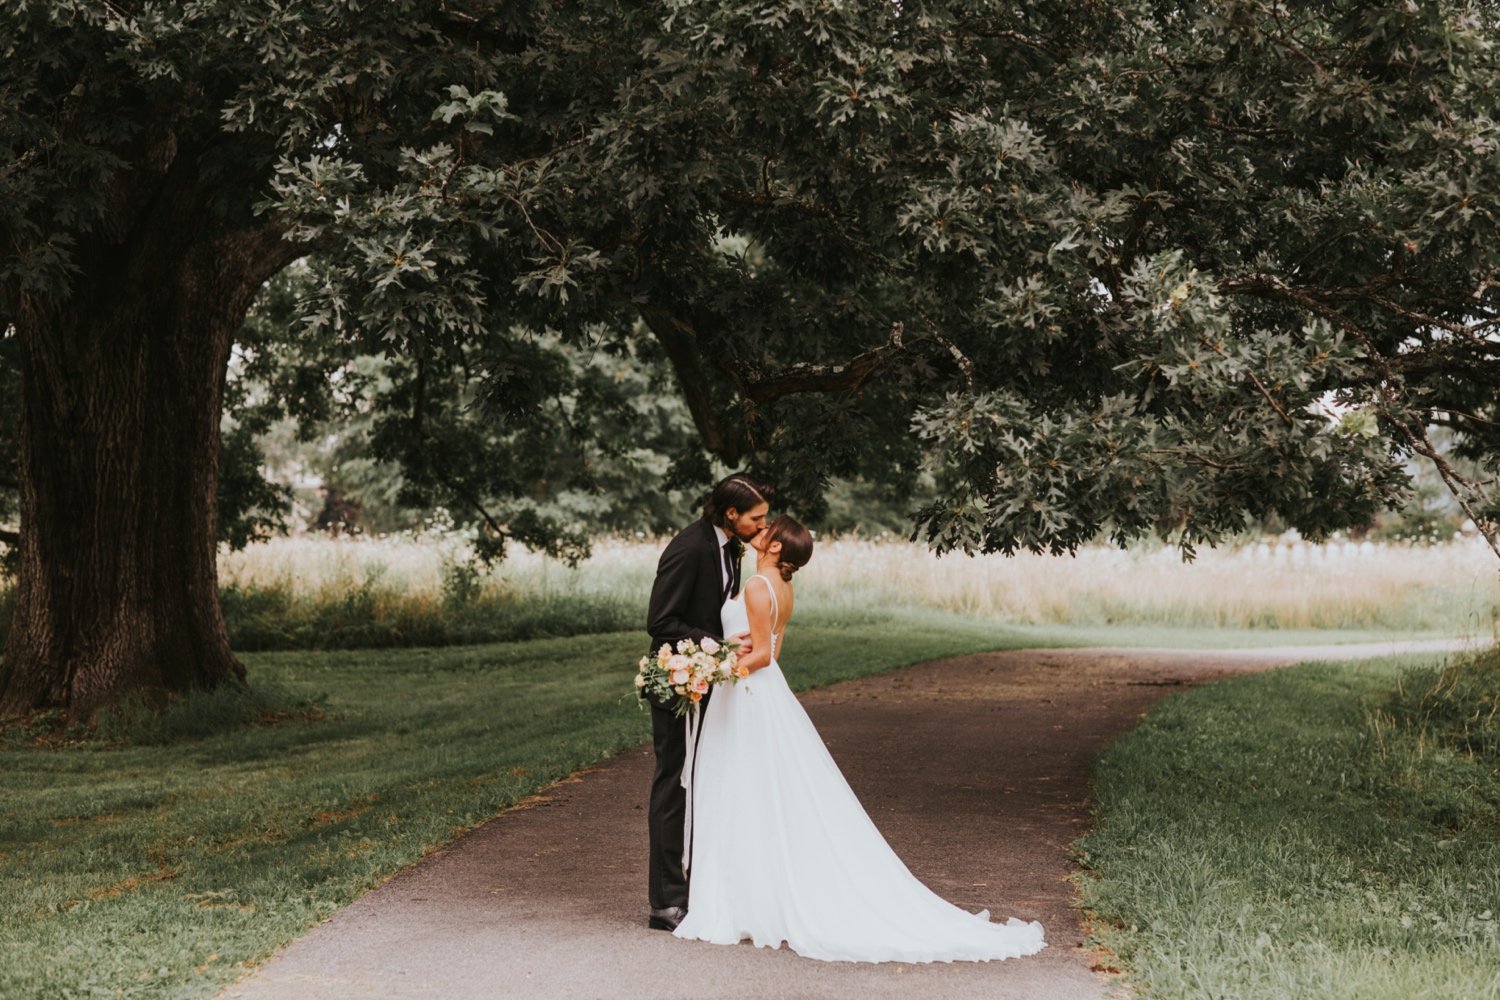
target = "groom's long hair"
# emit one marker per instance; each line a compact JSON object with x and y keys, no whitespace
{"x":738,"y":491}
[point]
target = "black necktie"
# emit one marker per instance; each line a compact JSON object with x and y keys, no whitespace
{"x":732,"y":566}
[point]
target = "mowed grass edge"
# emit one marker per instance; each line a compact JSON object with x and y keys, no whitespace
{"x":1326,"y":830}
{"x":168,"y":870}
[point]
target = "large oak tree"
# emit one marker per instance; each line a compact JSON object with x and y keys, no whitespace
{"x":1109,"y":269}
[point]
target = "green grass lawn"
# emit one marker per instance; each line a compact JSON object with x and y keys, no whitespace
{"x":163,"y":861}
{"x":1306,"y":833}
{"x":161,"y":870}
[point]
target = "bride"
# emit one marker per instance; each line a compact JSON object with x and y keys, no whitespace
{"x":782,"y":851}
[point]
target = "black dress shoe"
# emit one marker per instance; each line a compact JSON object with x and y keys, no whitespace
{"x":667,"y":918}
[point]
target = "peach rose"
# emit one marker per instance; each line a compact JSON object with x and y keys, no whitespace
{"x":681,"y":676}
{"x":700,"y":685}
{"x":742,"y":671}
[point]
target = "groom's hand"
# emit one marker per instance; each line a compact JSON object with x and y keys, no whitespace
{"x":744,"y":640}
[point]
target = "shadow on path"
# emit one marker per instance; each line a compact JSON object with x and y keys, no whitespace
{"x":974,"y":768}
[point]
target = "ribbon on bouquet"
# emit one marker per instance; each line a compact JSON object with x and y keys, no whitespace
{"x":687,"y":783}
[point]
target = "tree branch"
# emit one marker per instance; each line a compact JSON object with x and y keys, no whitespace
{"x":730,"y":442}
{"x":680,"y":341}
{"x":965,"y":366}
{"x":1254,"y":380}
{"x":783,"y":202}
{"x":1213,"y":122}
{"x":1320,"y":299}
{"x":978,"y":29}
{"x":1193,"y":458}
{"x":852,"y":375}
{"x":847,"y":377}
{"x":1458,"y":485}
{"x":1391,"y":389}
{"x":1111,"y":271}
{"x":425,"y":435}
{"x":1140,"y":220}
{"x":1273,"y":287}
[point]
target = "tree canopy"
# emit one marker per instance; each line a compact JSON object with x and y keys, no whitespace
{"x":1103,"y":269}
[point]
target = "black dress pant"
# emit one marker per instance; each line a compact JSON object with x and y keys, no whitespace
{"x":669,"y":735}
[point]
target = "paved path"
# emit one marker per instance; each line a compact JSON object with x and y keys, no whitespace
{"x":975,"y":768}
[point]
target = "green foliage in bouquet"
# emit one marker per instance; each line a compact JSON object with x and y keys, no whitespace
{"x":680,"y":676}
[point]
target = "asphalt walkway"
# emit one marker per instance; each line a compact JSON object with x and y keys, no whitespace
{"x":974,"y":768}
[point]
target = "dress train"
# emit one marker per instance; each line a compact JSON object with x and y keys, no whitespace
{"x":783,"y":852}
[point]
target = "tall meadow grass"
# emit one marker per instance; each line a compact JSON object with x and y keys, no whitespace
{"x":320,"y":593}
{"x":1452,"y":588}
{"x":314,"y":592}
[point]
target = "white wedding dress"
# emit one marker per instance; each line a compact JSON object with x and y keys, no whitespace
{"x":782,"y":851}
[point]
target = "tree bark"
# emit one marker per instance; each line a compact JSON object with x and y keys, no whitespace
{"x":723,"y":438}
{"x":122,"y":393}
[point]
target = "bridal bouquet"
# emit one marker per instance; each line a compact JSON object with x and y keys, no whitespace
{"x":680,"y":677}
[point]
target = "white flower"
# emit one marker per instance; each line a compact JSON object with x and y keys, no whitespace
{"x":640,"y":680}
{"x":709,"y":645}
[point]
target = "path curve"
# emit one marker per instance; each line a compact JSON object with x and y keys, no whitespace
{"x":975,"y":768}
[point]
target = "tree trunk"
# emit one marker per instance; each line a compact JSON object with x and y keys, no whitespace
{"x":122,"y":389}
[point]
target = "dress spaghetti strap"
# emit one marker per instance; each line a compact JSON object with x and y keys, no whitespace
{"x":775,"y":605}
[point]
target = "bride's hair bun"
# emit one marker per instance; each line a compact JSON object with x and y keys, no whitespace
{"x":796,"y":544}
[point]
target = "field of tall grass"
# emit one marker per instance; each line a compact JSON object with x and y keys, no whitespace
{"x":1450,"y":589}
{"x":315,"y":592}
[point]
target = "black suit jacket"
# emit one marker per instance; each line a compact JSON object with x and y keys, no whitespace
{"x":688,"y":593}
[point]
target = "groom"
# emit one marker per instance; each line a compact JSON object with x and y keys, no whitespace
{"x":699,"y":570}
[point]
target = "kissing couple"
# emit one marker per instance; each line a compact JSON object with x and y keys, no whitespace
{"x":755,"y":834}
